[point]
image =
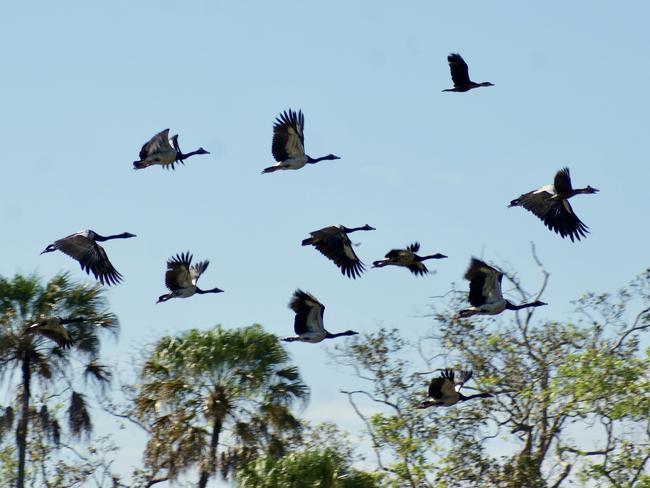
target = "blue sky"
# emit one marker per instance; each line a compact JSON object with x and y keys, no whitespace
{"x":86,"y":84}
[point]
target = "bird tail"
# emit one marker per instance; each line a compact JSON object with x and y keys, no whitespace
{"x":139,"y":164}
{"x":463,"y":314}
{"x":515,"y":203}
{"x":271,"y":169}
{"x":379,"y":264}
{"x":425,"y":404}
{"x":164,"y":298}
{"x":308,"y":241}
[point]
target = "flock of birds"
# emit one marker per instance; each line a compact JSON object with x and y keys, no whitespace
{"x":550,"y":203}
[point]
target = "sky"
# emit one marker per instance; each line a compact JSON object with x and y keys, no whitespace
{"x":87,"y":83}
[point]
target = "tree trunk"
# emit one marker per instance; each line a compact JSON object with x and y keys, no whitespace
{"x":21,"y":429}
{"x":214,"y":442}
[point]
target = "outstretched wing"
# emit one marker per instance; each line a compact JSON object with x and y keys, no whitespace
{"x":309,"y":313}
{"x":91,"y":256}
{"x":158,"y":143}
{"x":415,"y":247}
{"x":288,"y":137}
{"x":484,"y":283}
{"x":178,"y":273}
{"x":197,"y":270}
{"x":459,"y":70}
{"x":562,"y":182}
{"x":334,"y":244}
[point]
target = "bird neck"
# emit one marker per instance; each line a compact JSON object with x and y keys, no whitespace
{"x":347,"y":230}
{"x":432,"y":256}
{"x":511,"y":306}
{"x":339,"y":334}
{"x":203,"y":292}
{"x":463,"y":398}
{"x":311,"y":160}
{"x":181,"y":156}
{"x":123,"y":235}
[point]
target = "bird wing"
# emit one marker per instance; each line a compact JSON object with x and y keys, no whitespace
{"x":415,"y":247}
{"x":91,"y":256}
{"x":53,"y":331}
{"x":288,"y":138}
{"x":459,"y":70}
{"x":158,"y":143}
{"x":197,"y":270}
{"x":335,"y":245}
{"x":445,"y":386}
{"x":462,"y":378}
{"x":418,"y":269}
{"x":309,"y":313}
{"x":484,"y":283}
{"x":557,"y":215}
{"x":178,"y":272}
{"x":562,"y":182}
{"x":435,"y":388}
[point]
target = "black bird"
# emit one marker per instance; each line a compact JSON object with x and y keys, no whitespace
{"x":445,"y":390}
{"x":53,"y":328}
{"x":308,"y":323}
{"x":551,"y":204}
{"x":83,"y":247}
{"x":288,"y":145}
{"x":163,"y":150}
{"x":460,"y":75}
{"x":485,"y":291}
{"x":181,"y":277}
{"x":333,"y":242}
{"x":408,"y":258}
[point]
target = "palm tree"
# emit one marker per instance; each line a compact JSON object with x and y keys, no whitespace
{"x":195,"y":385}
{"x":41,"y":355}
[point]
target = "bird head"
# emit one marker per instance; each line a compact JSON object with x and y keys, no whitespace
{"x":367,"y":227}
{"x":126,"y":235}
{"x":202,"y":151}
{"x":487,"y":83}
{"x":589,"y":189}
{"x":331,"y":156}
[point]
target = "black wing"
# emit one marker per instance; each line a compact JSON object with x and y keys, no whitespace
{"x":91,"y":256}
{"x":154,"y":144}
{"x":438,"y":386}
{"x":562,"y":182}
{"x":479,"y":273}
{"x":335,"y":245}
{"x":288,"y":137}
{"x":309,"y":312}
{"x":178,"y":273}
{"x":557,"y":215}
{"x":459,"y":70}
{"x":418,"y":269}
{"x":415,"y":247}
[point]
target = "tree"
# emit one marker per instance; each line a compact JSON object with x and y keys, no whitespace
{"x":550,"y":379}
{"x":46,"y":360}
{"x":195,"y":386}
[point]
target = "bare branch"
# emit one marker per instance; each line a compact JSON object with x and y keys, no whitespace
{"x":635,"y":327}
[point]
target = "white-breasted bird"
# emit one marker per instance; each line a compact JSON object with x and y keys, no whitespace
{"x":308,"y":323}
{"x":163,"y":150}
{"x":408,"y":258}
{"x":551,"y":204}
{"x":485,"y":294}
{"x":288,"y":146}
{"x":181,"y":277}
{"x":83,"y":247}
{"x":444,"y":391}
{"x":333,"y":243}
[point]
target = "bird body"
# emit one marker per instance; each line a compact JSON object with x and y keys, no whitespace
{"x":485,"y":294}
{"x":163,"y":150}
{"x":460,"y":75}
{"x":444,"y":391}
{"x":333,"y":242}
{"x":550,"y":204}
{"x":288,"y":146}
{"x":181,"y":277}
{"x":308,"y":322}
{"x":82,"y":246}
{"x":407,"y":258}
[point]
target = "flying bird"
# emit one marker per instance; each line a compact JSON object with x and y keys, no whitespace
{"x":163,"y":150}
{"x":551,"y":204}
{"x":53,"y":328}
{"x":445,"y":390}
{"x":485,"y":291}
{"x":460,"y":75}
{"x":308,"y":323}
{"x":181,"y":277}
{"x":333,"y":242}
{"x":83,"y":247}
{"x":288,"y":145}
{"x":408,"y":258}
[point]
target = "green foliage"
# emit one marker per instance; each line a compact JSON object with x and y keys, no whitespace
{"x":304,"y":469}
{"x":199,"y":383}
